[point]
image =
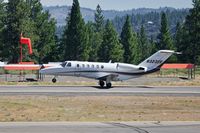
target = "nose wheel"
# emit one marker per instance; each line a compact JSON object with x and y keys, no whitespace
{"x":54,"y":80}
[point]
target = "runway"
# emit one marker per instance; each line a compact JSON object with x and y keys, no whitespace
{"x":99,"y":127}
{"x":95,"y":91}
{"x":96,"y":127}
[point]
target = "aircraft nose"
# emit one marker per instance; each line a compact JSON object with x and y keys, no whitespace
{"x":42,"y":71}
{"x":49,"y":70}
{"x":45,"y":71}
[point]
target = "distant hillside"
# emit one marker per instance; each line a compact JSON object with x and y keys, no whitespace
{"x":60,"y":13}
{"x":150,"y":18}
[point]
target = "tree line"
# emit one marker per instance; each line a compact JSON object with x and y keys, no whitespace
{"x":92,"y":41}
{"x":151,"y":21}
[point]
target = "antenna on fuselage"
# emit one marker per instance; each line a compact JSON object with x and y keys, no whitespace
{"x":110,"y":61}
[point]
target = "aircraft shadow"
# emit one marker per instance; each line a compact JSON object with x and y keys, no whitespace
{"x":98,"y":87}
{"x":105,"y":88}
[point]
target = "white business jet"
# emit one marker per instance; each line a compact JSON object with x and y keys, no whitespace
{"x":107,"y":72}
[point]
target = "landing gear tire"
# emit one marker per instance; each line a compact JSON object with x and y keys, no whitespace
{"x":54,"y":80}
{"x":101,"y":83}
{"x":109,"y":85}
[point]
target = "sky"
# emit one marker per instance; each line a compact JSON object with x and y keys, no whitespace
{"x":122,"y":4}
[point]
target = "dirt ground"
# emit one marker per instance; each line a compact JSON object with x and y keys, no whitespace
{"x":102,"y":108}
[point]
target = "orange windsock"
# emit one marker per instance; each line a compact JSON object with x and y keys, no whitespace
{"x":27,"y":41}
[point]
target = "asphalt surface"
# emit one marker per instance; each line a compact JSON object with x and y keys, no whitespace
{"x":96,"y":91}
{"x":124,"y":127}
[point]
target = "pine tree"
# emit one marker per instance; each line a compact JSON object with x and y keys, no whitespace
{"x":75,"y":37}
{"x":165,"y":40}
{"x":63,"y":44}
{"x":99,"y":19}
{"x":55,"y":53}
{"x":129,"y":41}
{"x":96,"y":34}
{"x":143,"y":45}
{"x":137,"y":54}
{"x":95,"y":40}
{"x":2,"y":17}
{"x":152,"y":47}
{"x":178,"y":36}
{"x":110,"y":49}
{"x":191,"y":35}
{"x":85,"y":47}
{"x":178,"y":39}
{"x":17,"y":12}
{"x":44,"y":32}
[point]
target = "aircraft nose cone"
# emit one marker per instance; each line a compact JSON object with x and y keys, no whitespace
{"x":46,"y":71}
{"x":43,"y":71}
{"x":50,"y":70}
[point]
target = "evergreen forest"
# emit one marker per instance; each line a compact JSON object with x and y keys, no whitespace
{"x":128,"y":39}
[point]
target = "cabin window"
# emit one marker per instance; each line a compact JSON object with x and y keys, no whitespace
{"x":102,"y":67}
{"x":78,"y":65}
{"x":97,"y":66}
{"x":83,"y":65}
{"x":69,"y":64}
{"x":92,"y":66}
{"x":88,"y":66}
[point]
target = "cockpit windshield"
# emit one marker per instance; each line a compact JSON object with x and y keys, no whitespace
{"x":66,"y":64}
{"x":63,"y":64}
{"x":69,"y":64}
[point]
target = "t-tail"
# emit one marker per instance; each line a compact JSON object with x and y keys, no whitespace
{"x":155,"y":62}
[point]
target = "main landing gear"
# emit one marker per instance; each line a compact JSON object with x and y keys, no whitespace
{"x":102,"y":83}
{"x":109,"y":85}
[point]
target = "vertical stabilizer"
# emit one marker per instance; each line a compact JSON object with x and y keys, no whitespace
{"x":157,"y":59}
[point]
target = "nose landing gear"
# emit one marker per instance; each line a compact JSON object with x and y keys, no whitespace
{"x":54,"y":80}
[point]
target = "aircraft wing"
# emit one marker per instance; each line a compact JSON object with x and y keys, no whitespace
{"x":106,"y":76}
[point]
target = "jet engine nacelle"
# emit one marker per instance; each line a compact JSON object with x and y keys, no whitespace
{"x":129,"y":67}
